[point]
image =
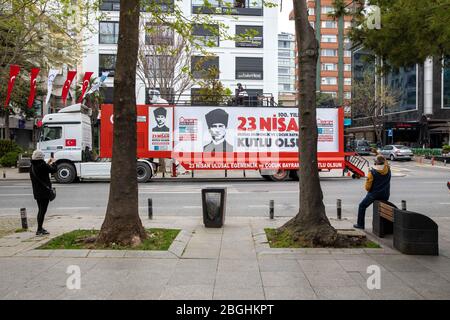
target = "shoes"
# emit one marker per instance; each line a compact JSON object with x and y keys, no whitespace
{"x":42,"y":232}
{"x":358,"y":227}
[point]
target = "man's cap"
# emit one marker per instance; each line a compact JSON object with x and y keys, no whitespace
{"x":37,"y":155}
{"x":216,"y":116}
{"x":380,"y":159}
{"x":160,"y":111}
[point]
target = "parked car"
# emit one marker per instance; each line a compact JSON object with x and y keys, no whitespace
{"x":361,"y":147}
{"x":396,"y":152}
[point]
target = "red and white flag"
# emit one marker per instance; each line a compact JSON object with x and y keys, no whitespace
{"x":87,"y":77}
{"x":13,"y":72}
{"x":34,"y":74}
{"x":67,"y":84}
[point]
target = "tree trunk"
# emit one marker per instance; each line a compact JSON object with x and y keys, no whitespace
{"x":122,"y":224}
{"x":310,"y":226}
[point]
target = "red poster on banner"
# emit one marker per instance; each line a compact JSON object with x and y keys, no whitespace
{"x":34,"y":74}
{"x":67,"y":84}
{"x":13,"y":72}
{"x":87,"y":77}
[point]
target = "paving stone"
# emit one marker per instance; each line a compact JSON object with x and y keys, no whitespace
{"x":290,"y":293}
{"x":237,"y":279}
{"x":341,"y":293}
{"x":400,"y":263}
{"x":284,"y":279}
{"x":243,"y":265}
{"x":192,"y":278}
{"x":249,"y":293}
{"x":323,"y":266}
{"x":329,"y":279}
{"x":187,"y":292}
{"x":70,"y":253}
{"x":196,"y":265}
{"x":279,"y":265}
{"x":106,"y":254}
{"x":428,"y":284}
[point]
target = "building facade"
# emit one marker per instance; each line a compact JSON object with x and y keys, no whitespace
{"x":286,"y":69}
{"x":421,"y":115}
{"x":251,"y":62}
{"x":334,"y":66}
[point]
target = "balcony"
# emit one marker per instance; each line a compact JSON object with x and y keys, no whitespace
{"x":114,"y":5}
{"x":228,"y":7}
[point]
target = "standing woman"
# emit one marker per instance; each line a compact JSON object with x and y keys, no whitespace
{"x":42,"y":187}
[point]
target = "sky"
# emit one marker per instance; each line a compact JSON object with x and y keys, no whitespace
{"x":284,"y":25}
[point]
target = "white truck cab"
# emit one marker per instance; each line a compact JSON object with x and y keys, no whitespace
{"x":68,"y":136}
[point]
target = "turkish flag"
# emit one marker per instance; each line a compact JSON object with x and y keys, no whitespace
{"x":71,"y":142}
{"x":34,"y":74}
{"x":13,"y":72}
{"x":87,"y":77}
{"x":67,"y":84}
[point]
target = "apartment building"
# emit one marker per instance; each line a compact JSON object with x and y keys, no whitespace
{"x":286,"y":69}
{"x":251,"y":62}
{"x":334,"y":68}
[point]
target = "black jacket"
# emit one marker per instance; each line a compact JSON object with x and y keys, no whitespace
{"x":42,"y":171}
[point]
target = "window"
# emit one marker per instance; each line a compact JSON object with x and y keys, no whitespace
{"x":326,"y":10}
{"x":329,"y":24}
{"x":329,"y":66}
{"x":253,"y":37}
{"x":347,"y":40}
{"x":446,"y":83}
{"x":159,"y":35}
{"x":51,"y":133}
{"x":107,"y":62}
{"x":201,"y":66}
{"x":347,"y":24}
{"x":161,"y":66}
{"x":311,"y":11}
{"x":284,"y":53}
{"x":331,"y":93}
{"x":347,"y":67}
{"x":347,"y":53}
{"x":329,"y":52}
{"x":283,"y":71}
{"x":206,"y":35}
{"x":347,"y":95}
{"x":249,"y":68}
{"x":312,"y":24}
{"x":110,"y":5}
{"x":348,"y":81}
{"x":329,"y":38}
{"x":329,"y":80}
{"x":108,"y":32}
{"x":107,"y":94}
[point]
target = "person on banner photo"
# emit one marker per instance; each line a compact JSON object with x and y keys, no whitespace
{"x":217,"y":121}
{"x":42,"y":187}
{"x":160,"y":118}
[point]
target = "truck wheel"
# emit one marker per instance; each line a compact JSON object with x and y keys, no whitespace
{"x":65,"y":173}
{"x":144,"y":173}
{"x":281,"y":175}
{"x":294,"y":175}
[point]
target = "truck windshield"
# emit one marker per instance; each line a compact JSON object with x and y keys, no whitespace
{"x":51,"y":133}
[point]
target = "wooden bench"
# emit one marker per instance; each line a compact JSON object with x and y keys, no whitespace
{"x":413,"y":232}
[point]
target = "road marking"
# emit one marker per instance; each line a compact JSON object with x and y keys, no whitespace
{"x":15,"y":194}
{"x":192,"y":207}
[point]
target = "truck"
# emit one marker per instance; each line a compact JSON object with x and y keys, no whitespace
{"x":197,"y":138}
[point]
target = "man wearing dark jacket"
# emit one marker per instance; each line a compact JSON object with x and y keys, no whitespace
{"x":40,"y":181}
{"x":378,"y":186}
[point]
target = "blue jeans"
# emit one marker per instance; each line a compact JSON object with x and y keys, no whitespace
{"x":365,"y":203}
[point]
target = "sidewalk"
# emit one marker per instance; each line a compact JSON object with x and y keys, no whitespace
{"x":234,"y":262}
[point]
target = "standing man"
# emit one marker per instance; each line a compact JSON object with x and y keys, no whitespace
{"x":40,"y":180}
{"x":217,"y":121}
{"x":378,"y":186}
{"x":161,"y":118}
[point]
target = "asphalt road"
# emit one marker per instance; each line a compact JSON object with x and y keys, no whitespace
{"x":423,"y":188}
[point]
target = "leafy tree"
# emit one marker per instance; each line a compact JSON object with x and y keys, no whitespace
{"x":411,"y":30}
{"x":212,"y":91}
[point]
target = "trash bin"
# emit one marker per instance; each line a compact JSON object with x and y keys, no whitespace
{"x":213,"y":203}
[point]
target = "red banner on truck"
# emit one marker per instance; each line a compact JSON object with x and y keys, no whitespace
{"x":217,"y":138}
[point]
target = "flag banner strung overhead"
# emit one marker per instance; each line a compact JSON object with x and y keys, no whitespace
{"x":87,"y":77}
{"x":33,"y":80}
{"x":67,"y":84}
{"x":13,"y":72}
{"x":51,"y":77}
